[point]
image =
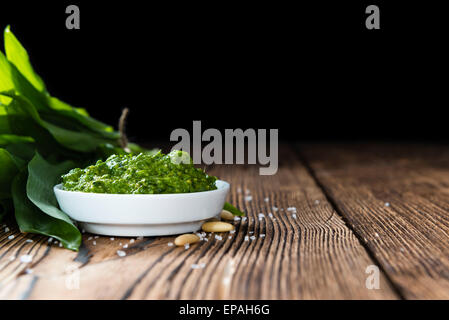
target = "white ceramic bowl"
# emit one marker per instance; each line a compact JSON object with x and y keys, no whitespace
{"x":142,"y":214}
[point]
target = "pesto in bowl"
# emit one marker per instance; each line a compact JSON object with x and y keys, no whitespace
{"x":140,"y":174}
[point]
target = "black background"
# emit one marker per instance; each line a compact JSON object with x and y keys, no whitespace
{"x":312,"y":70}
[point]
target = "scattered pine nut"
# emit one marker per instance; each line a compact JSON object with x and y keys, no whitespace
{"x":226,"y":215}
{"x":187,"y":238}
{"x":217,"y":226}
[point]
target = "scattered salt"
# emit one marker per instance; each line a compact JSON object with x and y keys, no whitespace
{"x":270,"y":215}
{"x":252,"y":238}
{"x":60,"y":245}
{"x":6,"y":229}
{"x":29,"y":271}
{"x":246,"y":238}
{"x":261,"y":215}
{"x":230,"y":237}
{"x":112,"y":239}
{"x":387,"y":204}
{"x":121,"y":253}
{"x":236,"y":218}
{"x":11,"y":237}
{"x":376,"y":234}
{"x":251,"y":232}
{"x":26,"y":258}
{"x":291,"y":209}
{"x":131,"y":241}
{"x":186,"y":246}
{"x":294,"y":216}
{"x":262,"y":235}
{"x":96,"y":237}
{"x":94,"y":243}
{"x":244,"y":219}
{"x":266,"y":199}
{"x":239,"y":190}
{"x":275,"y":209}
{"x":90,"y":238}
{"x":50,"y":240}
{"x":11,"y":258}
{"x":125,"y":246}
{"x":232,"y":231}
{"x":248,"y":198}
{"x":317,"y":201}
{"x":29,"y":240}
{"x":170,"y":244}
{"x":217,"y":237}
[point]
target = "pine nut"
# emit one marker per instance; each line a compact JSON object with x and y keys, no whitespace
{"x":217,"y":226}
{"x":186,"y":239}
{"x":226,"y":215}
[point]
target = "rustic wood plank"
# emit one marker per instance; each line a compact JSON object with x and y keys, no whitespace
{"x":396,"y":198}
{"x":311,"y":256}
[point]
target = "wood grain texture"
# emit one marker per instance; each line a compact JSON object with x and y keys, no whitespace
{"x":397,"y":200}
{"x":311,"y":256}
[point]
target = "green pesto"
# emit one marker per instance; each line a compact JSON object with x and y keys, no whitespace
{"x":140,"y":174}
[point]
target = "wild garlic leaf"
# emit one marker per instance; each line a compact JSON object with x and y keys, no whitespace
{"x":32,"y":219}
{"x":18,"y":56}
{"x":8,"y":171}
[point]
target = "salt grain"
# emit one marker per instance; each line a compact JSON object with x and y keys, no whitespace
{"x":90,"y":238}
{"x":248,"y":198}
{"x":170,"y":244}
{"x":251,"y":232}
{"x":230,"y":237}
{"x":219,"y":238}
{"x":294,"y":216}
{"x":266,"y":199}
{"x":252,"y":238}
{"x":94,"y":243}
{"x":244,"y":219}
{"x":6,"y":229}
{"x":232,"y":231}
{"x":376,"y":234}
{"x":317,"y":201}
{"x":121,"y":253}
{"x":270,"y":215}
{"x":261,"y":215}
{"x":246,"y":238}
{"x":125,"y":246}
{"x":186,"y":246}
{"x":11,"y":237}
{"x":26,"y":258}
{"x":12,"y":258}
{"x":131,"y":241}
{"x":96,"y":237}
{"x":29,"y":240}
{"x":112,"y":239}
{"x":387,"y":204}
{"x":60,"y":245}
{"x":50,"y":240}
{"x":237,"y":218}
{"x":262,"y":235}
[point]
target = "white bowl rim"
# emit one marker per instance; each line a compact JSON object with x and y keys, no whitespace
{"x":224,"y":186}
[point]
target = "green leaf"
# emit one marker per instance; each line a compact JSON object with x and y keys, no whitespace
{"x":6,"y":139}
{"x":233,"y":210}
{"x":71,"y":139}
{"x":17,"y":55}
{"x":31,"y":219}
{"x":8,"y":171}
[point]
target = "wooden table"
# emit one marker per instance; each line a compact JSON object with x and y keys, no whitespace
{"x":356,"y":206}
